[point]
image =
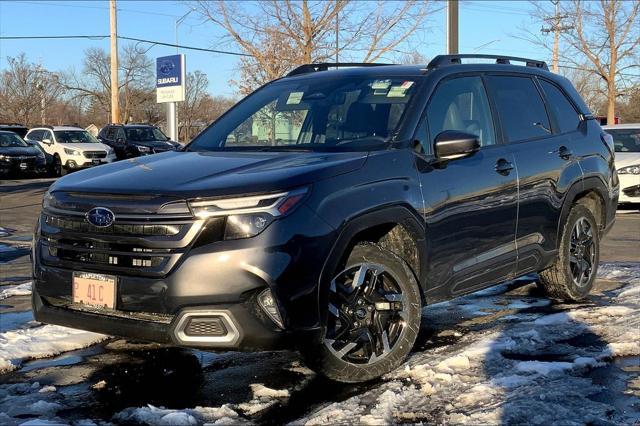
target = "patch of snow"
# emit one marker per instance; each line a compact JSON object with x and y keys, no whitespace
{"x":23,"y":289}
{"x":160,"y":416}
{"x":261,"y":391}
{"x":543,"y":367}
{"x":47,"y":389}
{"x":559,"y":318}
{"x":40,"y":342}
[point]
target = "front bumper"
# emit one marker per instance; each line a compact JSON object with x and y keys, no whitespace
{"x":22,"y":166}
{"x":219,"y":279}
{"x":245,"y":330}
{"x":80,"y":162}
{"x":629,"y":188}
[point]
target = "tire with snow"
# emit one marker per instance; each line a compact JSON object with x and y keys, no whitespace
{"x":374,"y":307}
{"x":572,"y":275}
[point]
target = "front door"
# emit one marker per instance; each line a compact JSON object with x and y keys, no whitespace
{"x":470,"y":203}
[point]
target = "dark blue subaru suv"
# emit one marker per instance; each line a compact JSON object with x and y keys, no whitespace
{"x":323,"y":211}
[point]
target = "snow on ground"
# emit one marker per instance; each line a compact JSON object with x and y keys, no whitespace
{"x":534,"y":368}
{"x":505,"y":355}
{"x":40,"y":342}
{"x":15,"y":290}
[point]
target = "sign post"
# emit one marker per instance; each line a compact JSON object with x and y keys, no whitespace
{"x":170,"y":88}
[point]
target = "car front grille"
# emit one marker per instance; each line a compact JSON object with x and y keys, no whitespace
{"x":144,"y":246}
{"x":95,"y":154}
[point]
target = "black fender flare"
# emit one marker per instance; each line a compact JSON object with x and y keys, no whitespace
{"x":592,"y":183}
{"x":398,"y":214}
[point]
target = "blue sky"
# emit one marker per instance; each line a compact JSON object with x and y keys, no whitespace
{"x":485,"y":27}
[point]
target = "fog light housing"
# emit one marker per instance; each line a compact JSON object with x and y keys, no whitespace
{"x":71,"y":164}
{"x":269,"y":306}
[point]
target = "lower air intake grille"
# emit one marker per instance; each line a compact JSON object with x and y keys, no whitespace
{"x":212,"y":326}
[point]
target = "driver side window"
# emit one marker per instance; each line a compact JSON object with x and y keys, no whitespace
{"x":461,"y":104}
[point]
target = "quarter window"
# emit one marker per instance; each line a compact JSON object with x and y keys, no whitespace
{"x":461,"y":104}
{"x":564,"y":112}
{"x":520,"y":107}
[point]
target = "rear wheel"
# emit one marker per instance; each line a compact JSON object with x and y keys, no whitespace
{"x":373,"y":308}
{"x":572,"y":275}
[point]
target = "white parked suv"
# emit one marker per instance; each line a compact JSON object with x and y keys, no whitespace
{"x":626,"y":139}
{"x":70,"y":148}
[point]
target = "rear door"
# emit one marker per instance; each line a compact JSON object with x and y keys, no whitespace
{"x":470,"y":203}
{"x":543,"y":137}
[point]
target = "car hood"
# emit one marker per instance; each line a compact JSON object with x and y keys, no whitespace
{"x":154,"y":144}
{"x":19,"y":150}
{"x":203,"y":174}
{"x":86,"y":146}
{"x":624,"y":159}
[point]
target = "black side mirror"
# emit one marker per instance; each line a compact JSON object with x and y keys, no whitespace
{"x":452,"y":144}
{"x":120,"y":141}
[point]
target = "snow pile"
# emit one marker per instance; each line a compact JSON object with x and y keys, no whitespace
{"x":40,"y":342}
{"x":532,"y":366}
{"x":151,"y":415}
{"x":15,"y":290}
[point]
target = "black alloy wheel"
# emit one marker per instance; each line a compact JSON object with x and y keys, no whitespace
{"x":366,"y":314}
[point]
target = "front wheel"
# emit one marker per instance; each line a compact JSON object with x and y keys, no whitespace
{"x":58,"y":168}
{"x":374,"y":307}
{"x":572,"y":275}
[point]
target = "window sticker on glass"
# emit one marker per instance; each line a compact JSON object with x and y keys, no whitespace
{"x":381,"y":84}
{"x":407,"y":84}
{"x":397,"y":92}
{"x":294,"y":98}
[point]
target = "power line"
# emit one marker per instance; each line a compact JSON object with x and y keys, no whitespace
{"x":139,"y":40}
{"x":84,"y":6}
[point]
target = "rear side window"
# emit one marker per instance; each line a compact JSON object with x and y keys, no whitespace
{"x":35,"y":135}
{"x":566,"y":115}
{"x":461,"y":104}
{"x":520,"y":107}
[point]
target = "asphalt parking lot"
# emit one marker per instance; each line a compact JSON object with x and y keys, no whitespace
{"x":444,"y":381}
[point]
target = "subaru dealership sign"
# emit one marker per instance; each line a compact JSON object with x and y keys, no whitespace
{"x":170,"y":78}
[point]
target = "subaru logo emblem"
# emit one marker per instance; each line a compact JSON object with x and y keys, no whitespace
{"x":100,"y":217}
{"x":166,"y":67}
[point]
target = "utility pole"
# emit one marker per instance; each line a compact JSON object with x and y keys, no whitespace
{"x":452,"y":27}
{"x":557,"y":28}
{"x":115,"y":101}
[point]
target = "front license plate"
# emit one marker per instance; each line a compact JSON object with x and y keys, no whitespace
{"x":23,"y":166}
{"x":96,"y":162}
{"x":94,"y":289}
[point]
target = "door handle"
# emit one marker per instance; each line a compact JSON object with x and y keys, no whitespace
{"x":563,"y":152}
{"x":503,"y":166}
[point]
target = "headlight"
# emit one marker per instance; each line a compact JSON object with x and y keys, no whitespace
{"x":109,"y":151}
{"x":70,"y":151}
{"x":630,"y":170}
{"x":143,"y":148}
{"x":248,"y":216}
{"x":3,"y":157}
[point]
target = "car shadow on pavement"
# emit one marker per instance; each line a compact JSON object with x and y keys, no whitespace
{"x":555,"y":369}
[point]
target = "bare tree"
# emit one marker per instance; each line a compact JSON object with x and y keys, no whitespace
{"x":282,"y":34}
{"x":136,"y":79}
{"x":191,"y":109}
{"x":25,"y":89}
{"x":605,"y":36}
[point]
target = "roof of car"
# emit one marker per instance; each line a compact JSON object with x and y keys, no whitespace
{"x":623,"y":126}
{"x":58,"y":128}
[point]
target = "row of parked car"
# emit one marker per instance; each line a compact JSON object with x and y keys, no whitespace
{"x":56,"y":150}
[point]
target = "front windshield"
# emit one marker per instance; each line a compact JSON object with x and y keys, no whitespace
{"x":11,"y":140}
{"x":74,"y":136}
{"x":625,"y":140}
{"x":145,"y":134}
{"x":313,"y":114}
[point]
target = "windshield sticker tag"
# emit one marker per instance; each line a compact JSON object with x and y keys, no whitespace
{"x":396,"y":92}
{"x":294,"y":98}
{"x":406,"y":85}
{"x":381,"y":84}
